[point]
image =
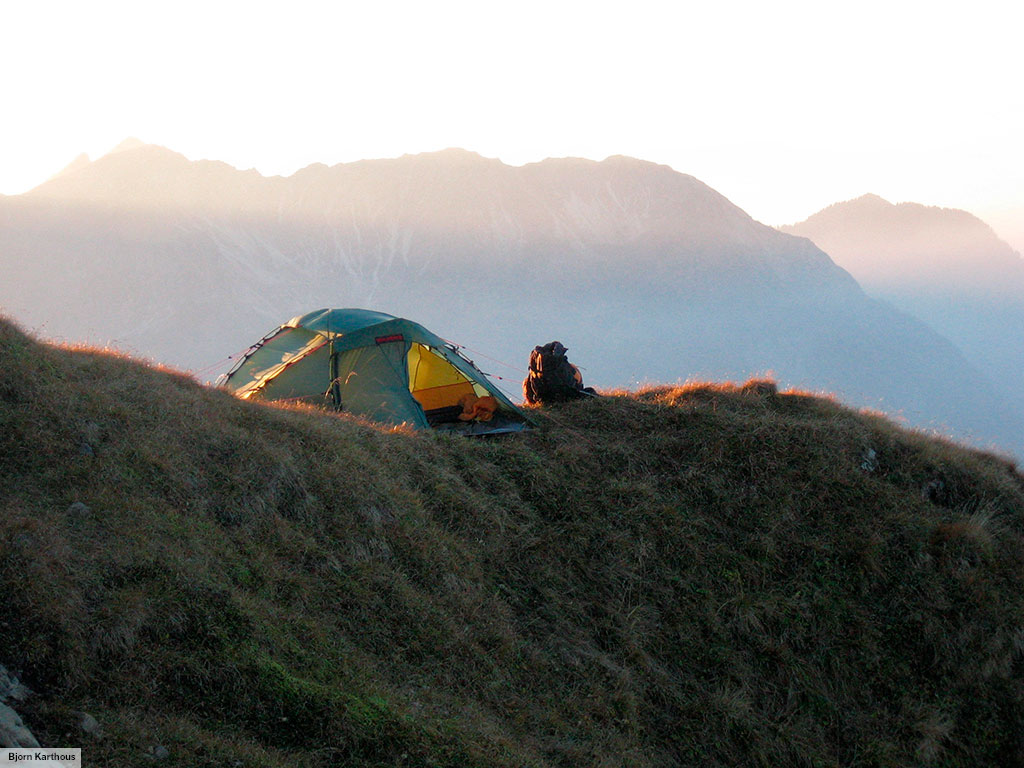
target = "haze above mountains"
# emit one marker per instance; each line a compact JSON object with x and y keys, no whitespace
{"x":647,"y":274}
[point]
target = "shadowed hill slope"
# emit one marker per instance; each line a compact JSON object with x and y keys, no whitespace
{"x":708,"y":575}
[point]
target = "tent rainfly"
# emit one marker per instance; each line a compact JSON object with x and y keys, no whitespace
{"x":371,"y":364}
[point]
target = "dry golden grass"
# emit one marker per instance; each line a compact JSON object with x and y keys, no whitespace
{"x":699,"y":575}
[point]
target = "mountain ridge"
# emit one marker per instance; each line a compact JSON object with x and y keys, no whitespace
{"x":922,"y":228}
{"x":647,"y":272}
{"x":944,"y":266}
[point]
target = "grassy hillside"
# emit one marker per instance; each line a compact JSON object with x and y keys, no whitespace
{"x":708,"y":575}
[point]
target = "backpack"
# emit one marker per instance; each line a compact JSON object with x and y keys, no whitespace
{"x":552,"y":378}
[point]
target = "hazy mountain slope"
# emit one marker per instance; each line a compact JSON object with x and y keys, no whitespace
{"x":645,"y":273}
{"x":704,"y":575}
{"x":944,"y":266}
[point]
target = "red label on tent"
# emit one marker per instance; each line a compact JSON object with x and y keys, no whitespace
{"x":392,"y":337}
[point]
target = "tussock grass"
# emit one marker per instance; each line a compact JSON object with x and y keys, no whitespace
{"x":699,"y":575}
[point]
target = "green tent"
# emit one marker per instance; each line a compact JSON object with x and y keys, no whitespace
{"x":371,"y":364}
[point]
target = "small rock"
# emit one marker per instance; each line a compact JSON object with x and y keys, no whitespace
{"x":869,"y":460}
{"x":10,"y":688}
{"x":88,"y":724}
{"x":79,"y":511}
{"x":13,"y":733}
{"x":378,"y":517}
{"x":160,"y":752}
{"x":93,"y":433}
{"x":934,"y":490}
{"x":86,"y":450}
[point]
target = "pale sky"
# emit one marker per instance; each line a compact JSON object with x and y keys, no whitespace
{"x":784,"y":107}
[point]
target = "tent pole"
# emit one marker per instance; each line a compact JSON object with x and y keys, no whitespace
{"x":332,"y":368}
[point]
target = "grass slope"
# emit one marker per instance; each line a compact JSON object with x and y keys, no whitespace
{"x":707,"y":575}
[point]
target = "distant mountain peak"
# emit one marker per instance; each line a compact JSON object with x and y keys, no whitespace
{"x":871,"y":198}
{"x":128,"y":144}
{"x":132,"y":150}
{"x":895,"y":247}
{"x":631,"y":161}
{"x":455,"y":155}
